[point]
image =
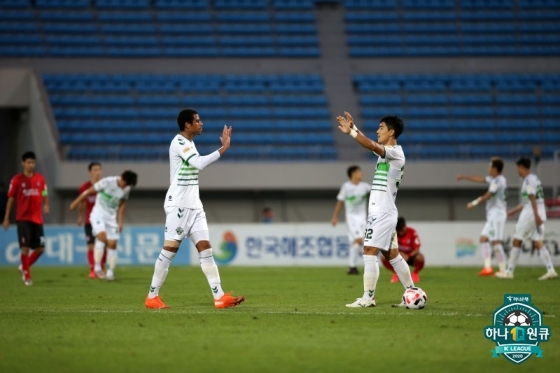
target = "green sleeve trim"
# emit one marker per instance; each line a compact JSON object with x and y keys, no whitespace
{"x":189,"y":158}
{"x":45,"y":193}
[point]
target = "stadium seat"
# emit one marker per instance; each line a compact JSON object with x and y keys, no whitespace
{"x":370,"y":4}
{"x":122,"y":4}
{"x":62,"y":4}
{"x":181,"y":4}
{"x":428,"y":4}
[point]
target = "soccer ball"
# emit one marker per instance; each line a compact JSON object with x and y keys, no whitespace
{"x":517,"y":318}
{"x":415,"y":298}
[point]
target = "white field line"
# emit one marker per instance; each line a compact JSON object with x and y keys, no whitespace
{"x":369,"y":312}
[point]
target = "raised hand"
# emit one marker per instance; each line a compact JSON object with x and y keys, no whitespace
{"x":345,"y":125}
{"x":226,"y":137}
{"x":349,"y":118}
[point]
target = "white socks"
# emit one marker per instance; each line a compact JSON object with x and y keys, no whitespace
{"x":500,"y":256}
{"x":160,"y":272}
{"x":98,"y":254}
{"x":210,"y":269}
{"x":402,"y":270}
{"x":111,"y":259}
{"x":545,"y":257}
{"x":486,"y":254}
{"x":513,"y":256}
{"x":371,"y":275}
{"x":353,"y":255}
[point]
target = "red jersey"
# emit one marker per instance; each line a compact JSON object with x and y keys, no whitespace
{"x":28,"y":193}
{"x":90,"y":200}
{"x":409,"y":241}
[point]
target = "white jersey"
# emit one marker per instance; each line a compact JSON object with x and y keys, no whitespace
{"x":388,"y":176}
{"x":496,"y":206}
{"x":109,"y":197}
{"x":183,"y":184}
{"x":532,"y":186}
{"x":354,"y":197}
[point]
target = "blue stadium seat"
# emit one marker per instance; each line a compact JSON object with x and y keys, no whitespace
{"x":545,"y":4}
{"x":133,"y":51}
{"x":412,"y":99}
{"x":517,"y":112}
{"x":374,"y":40}
{"x":424,"y":85}
{"x":370,"y":4}
{"x":246,"y":41}
{"x":295,"y":17}
{"x":551,"y":123}
{"x":12,"y":27}
{"x":243,"y":17}
{"x":65,"y":16}
{"x":246,"y":100}
{"x":519,"y":100}
{"x":70,"y":28}
{"x":181,"y":4}
{"x":284,"y":41}
{"x":293,"y":4}
{"x":487,"y":40}
{"x":15,"y":3}
{"x":240,"y":4}
{"x":54,"y":40}
{"x":487,"y":4}
{"x":551,"y":99}
{"x":16,"y":15}
{"x":472,"y":111}
{"x":517,"y":124}
{"x":515,"y":84}
{"x":389,"y":28}
{"x":176,"y":16}
{"x":250,"y":29}
{"x":201,"y":29}
{"x":539,"y":15}
{"x":22,"y":51}
{"x":122,"y":4}
{"x":473,"y":124}
{"x":379,"y":86}
{"x":299,"y":52}
{"x":551,"y":111}
{"x":75,"y":100}
{"x":125,"y":17}
{"x":423,"y":112}
{"x":518,"y":137}
{"x":428,"y":4}
{"x":131,"y":29}
{"x":20,"y":39}
{"x":130,"y":41}
{"x":248,"y":51}
{"x":478,"y":99}
{"x":428,"y":16}
{"x":364,"y":16}
{"x":416,"y":40}
{"x":432,"y":27}
{"x":296,"y":29}
{"x":62,"y":4}
{"x":470,"y":84}
{"x":485,"y":15}
{"x":75,"y":51}
{"x":382,"y":100}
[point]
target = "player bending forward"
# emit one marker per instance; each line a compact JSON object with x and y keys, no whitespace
{"x":185,"y":216}
{"x":531,"y":221}
{"x":380,"y":233}
{"x":353,"y":194}
{"x":409,"y":248}
{"x":107,"y":217}
{"x":496,"y":214}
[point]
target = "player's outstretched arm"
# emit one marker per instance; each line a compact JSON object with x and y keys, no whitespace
{"x":9,"y":206}
{"x":337,"y":208}
{"x":201,"y":162}
{"x":538,"y":219}
{"x":514,"y":211}
{"x":473,"y":178}
{"x":120,"y":215}
{"x":81,"y":198}
{"x":346,"y":125}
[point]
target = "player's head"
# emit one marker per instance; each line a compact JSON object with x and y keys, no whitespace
{"x":401,"y":226}
{"x":94,"y":169}
{"x":28,"y":161}
{"x":189,"y":120}
{"x":129,"y":178}
{"x":390,"y":127}
{"x":496,"y":166}
{"x":523,"y":166}
{"x":354,"y":173}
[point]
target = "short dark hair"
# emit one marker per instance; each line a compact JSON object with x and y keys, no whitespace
{"x":401,"y":223}
{"x":185,"y":116}
{"x":393,"y":123}
{"x":525,"y":162}
{"x":92,"y":165}
{"x":351,"y":170}
{"x":497,"y":163}
{"x":129,"y":177}
{"x":28,"y":155}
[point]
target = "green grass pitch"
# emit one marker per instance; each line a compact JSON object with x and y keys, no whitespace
{"x":293,"y":320}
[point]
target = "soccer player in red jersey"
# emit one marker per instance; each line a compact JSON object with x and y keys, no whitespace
{"x":95,"y":171}
{"x":29,"y":191}
{"x":409,"y":248}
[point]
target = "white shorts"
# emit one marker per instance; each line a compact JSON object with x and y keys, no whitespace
{"x":182,"y":222}
{"x":380,"y":231}
{"x":107,"y":225}
{"x":526,"y":229}
{"x":356,"y":229}
{"x":494,"y":229}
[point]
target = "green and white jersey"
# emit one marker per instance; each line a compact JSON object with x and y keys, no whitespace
{"x":355,"y":198}
{"x":109,"y":197}
{"x":496,"y":206}
{"x":532,"y":186}
{"x":183,"y":184}
{"x":388,"y":176}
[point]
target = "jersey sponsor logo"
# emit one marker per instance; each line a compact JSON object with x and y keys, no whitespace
{"x":169,"y":198}
{"x":179,"y":230}
{"x":187,"y":149}
{"x":30,"y":192}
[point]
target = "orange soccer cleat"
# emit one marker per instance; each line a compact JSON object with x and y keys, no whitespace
{"x":155,"y":303}
{"x":415,"y":277}
{"x":486,"y":272}
{"x":92,"y":274}
{"x":395,"y":278}
{"x":228,"y":300}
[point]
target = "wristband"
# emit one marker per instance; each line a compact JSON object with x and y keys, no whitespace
{"x":355,"y":127}
{"x":476,"y":201}
{"x":353,"y":133}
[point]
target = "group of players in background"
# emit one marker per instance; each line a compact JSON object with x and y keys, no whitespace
{"x":383,"y":234}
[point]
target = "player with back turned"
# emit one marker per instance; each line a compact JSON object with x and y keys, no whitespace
{"x":29,"y":191}
{"x":380,"y":235}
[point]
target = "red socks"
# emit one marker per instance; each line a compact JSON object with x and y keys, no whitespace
{"x":33,"y":257}
{"x":90,"y":259}
{"x":25,"y":266}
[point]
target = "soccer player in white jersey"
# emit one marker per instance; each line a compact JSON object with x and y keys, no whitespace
{"x":380,"y":234}
{"x":185,"y":216}
{"x":496,"y":214}
{"x":530,"y":225}
{"x":353,"y":194}
{"x":107,"y":217}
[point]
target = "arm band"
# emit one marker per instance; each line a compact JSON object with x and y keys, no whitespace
{"x":353,"y":133}
{"x":476,"y":201}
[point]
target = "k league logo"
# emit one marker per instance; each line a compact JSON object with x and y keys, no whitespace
{"x":517,"y":329}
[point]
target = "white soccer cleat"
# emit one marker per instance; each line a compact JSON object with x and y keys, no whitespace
{"x":110,"y":276}
{"x":507,"y":274}
{"x":100,"y":274}
{"x":361,"y":302}
{"x":401,"y":304}
{"x":549,"y":275}
{"x":20,"y":269}
{"x":28,"y":282}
